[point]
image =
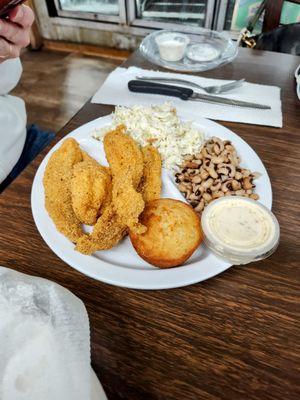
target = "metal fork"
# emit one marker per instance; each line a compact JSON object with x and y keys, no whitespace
{"x":208,"y":89}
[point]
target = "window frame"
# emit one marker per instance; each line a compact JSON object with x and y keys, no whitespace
{"x":220,"y":15}
{"x":128,"y":24}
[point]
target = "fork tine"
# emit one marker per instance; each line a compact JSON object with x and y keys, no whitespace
{"x":226,"y":87}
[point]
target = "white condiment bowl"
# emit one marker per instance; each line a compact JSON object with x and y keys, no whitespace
{"x":172,"y":45}
{"x":202,"y":52}
{"x":240,"y":230}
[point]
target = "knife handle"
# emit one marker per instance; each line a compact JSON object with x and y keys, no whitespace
{"x":157,"y":88}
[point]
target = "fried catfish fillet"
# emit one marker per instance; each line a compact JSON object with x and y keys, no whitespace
{"x":86,"y":157}
{"x":57,"y":185}
{"x":150,"y":186}
{"x":126,"y":165}
{"x":107,"y":232}
{"x":89,"y":188}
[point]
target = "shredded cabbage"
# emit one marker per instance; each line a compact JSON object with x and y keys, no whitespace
{"x":161,"y":127}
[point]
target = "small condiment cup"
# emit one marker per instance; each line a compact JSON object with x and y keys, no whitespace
{"x":202,"y":52}
{"x":172,"y":45}
{"x":240,"y":230}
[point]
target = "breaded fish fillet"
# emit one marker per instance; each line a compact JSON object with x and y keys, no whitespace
{"x":108,"y":230}
{"x":150,"y":186}
{"x":86,"y":157}
{"x":106,"y":234}
{"x":57,"y":185}
{"x":89,"y":188}
{"x":126,"y":165}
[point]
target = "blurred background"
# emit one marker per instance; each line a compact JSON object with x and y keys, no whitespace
{"x":82,"y":41}
{"x":121,"y":23}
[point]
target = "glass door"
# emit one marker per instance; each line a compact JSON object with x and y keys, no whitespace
{"x":99,"y":10}
{"x":165,"y":14}
{"x":233,"y":15}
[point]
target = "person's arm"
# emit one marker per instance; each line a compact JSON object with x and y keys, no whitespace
{"x":10,"y":74}
{"x":14,"y":34}
{"x":12,"y":133}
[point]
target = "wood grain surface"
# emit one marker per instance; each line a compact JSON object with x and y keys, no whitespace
{"x":55,"y":85}
{"x":233,"y":337}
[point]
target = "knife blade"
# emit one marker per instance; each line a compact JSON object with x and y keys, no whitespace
{"x":188,"y":94}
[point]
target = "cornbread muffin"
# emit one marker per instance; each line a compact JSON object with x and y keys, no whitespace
{"x":173,"y":233}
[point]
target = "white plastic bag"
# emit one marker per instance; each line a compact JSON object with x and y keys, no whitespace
{"x":44,"y":340}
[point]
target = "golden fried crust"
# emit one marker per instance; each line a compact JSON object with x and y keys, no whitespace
{"x":57,"y":185}
{"x":123,"y":155}
{"x":107,"y":233}
{"x":126,"y":165}
{"x":86,"y":157}
{"x":108,"y":230}
{"x":173,"y":233}
{"x":151,"y":181}
{"x":88,"y":188}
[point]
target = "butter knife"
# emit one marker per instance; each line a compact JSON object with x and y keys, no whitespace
{"x":188,"y":94}
{"x":215,"y":89}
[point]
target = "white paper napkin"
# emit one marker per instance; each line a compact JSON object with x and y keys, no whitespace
{"x":115,"y":91}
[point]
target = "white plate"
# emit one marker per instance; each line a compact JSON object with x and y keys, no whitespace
{"x":97,"y":392}
{"x":121,"y":266}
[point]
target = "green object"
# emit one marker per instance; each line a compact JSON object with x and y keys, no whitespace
{"x":290,"y":13}
{"x":245,"y":9}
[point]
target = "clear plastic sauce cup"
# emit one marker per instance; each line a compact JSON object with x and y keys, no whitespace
{"x":172,"y":45}
{"x":240,"y":230}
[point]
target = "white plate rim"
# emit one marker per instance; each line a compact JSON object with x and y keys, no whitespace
{"x":97,"y":391}
{"x":155,"y":279}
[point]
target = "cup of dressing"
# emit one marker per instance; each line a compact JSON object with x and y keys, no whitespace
{"x":172,"y":45}
{"x":240,"y":230}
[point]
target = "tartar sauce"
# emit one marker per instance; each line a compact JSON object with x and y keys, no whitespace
{"x":239,"y":229}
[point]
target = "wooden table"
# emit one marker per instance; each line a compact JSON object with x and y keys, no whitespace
{"x":235,"y":336}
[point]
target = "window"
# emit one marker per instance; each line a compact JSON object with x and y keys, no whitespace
{"x":234,"y":14}
{"x":99,"y":10}
{"x":230,"y":15}
{"x":140,"y":13}
{"x":238,"y":13}
{"x":93,"y":6}
{"x":159,"y":12}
